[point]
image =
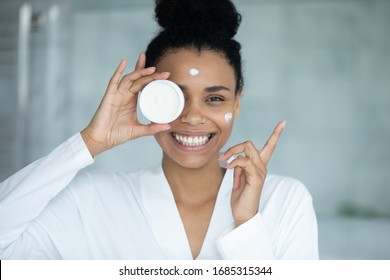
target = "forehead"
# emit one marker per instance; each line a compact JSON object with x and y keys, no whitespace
{"x":210,"y":64}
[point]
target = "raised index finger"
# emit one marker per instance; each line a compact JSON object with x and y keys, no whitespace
{"x":270,"y":145}
{"x":115,"y":79}
{"x":140,"y":62}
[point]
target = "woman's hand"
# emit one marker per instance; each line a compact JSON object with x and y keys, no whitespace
{"x":115,"y":121}
{"x":250,"y":170}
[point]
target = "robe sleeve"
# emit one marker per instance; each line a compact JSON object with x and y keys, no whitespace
{"x":25,"y":195}
{"x":249,"y":241}
{"x":296,"y":236}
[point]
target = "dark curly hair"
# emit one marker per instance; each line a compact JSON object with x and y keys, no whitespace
{"x":202,"y":25}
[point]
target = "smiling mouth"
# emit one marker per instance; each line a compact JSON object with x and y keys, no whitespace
{"x":192,"y":141}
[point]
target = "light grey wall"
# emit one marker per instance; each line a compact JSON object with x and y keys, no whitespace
{"x":34,"y":81}
{"x":8,"y":86}
{"x":322,"y":65}
{"x":325,"y":67}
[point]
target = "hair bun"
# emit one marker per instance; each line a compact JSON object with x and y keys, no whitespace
{"x":201,"y":15}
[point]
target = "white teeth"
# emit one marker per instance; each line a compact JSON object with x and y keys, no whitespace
{"x":191,"y":141}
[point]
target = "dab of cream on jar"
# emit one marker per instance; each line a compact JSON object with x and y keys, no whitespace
{"x":193,"y":72}
{"x":228,"y":117}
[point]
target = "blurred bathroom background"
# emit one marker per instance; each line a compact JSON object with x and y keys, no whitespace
{"x":323,"y":65}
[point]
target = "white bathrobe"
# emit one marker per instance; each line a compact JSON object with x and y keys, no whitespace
{"x":47,"y":212}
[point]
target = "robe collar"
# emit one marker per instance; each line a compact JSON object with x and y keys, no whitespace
{"x":165,"y":222}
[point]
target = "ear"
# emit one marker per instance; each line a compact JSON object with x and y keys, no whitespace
{"x":237,"y":104}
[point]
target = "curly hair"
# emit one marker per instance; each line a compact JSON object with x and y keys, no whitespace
{"x":201,"y":25}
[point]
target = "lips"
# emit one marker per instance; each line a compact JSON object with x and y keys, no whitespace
{"x":192,"y":140}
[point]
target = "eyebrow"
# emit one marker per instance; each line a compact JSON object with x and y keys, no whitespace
{"x":208,"y":89}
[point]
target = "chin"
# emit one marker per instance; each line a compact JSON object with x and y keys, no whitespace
{"x":193,"y":159}
{"x":194,"y":162}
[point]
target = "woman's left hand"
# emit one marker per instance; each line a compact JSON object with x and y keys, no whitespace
{"x":250,"y":170}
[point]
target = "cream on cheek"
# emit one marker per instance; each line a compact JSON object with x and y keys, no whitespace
{"x":224,"y":120}
{"x":228,"y":117}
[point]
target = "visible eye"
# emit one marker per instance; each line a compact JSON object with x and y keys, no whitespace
{"x":215,"y":99}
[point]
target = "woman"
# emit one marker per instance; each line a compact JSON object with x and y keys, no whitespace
{"x":189,"y":206}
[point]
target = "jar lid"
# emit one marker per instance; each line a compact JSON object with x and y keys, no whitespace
{"x":161,"y":101}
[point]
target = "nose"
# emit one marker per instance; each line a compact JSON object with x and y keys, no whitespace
{"x":192,"y":114}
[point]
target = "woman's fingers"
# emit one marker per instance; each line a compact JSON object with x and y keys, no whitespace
{"x":250,"y":171}
{"x":135,"y":81}
{"x":116,"y":77}
{"x":142,"y":82}
{"x":247,"y":148}
{"x":246,"y":166}
{"x":269,"y":147}
{"x":140,"y":62}
{"x":127,"y":80}
{"x":237,"y":177}
{"x":123,"y":84}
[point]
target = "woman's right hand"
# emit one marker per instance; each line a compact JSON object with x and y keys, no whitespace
{"x":115,"y":121}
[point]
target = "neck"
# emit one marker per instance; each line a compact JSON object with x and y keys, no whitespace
{"x":193,"y":185}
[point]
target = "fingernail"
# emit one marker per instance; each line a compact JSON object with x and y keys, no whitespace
{"x":221,"y":156}
{"x":150,"y":69}
{"x":284,"y":124}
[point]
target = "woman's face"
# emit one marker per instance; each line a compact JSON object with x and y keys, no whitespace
{"x":211,"y":105}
